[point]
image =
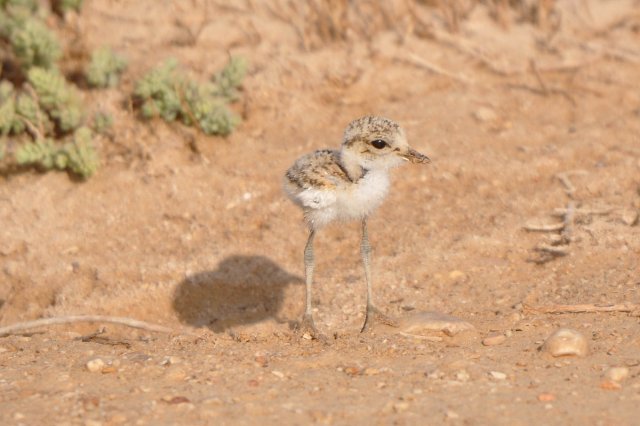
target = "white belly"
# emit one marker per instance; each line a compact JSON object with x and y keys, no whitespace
{"x":352,"y":201}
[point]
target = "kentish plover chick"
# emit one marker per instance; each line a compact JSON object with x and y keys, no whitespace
{"x":348,"y":184}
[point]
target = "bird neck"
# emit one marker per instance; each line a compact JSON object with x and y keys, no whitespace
{"x":351,"y":165}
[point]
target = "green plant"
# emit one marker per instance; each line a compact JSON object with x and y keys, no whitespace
{"x":7,"y":108}
{"x":229,"y":79}
{"x":20,"y":7}
{"x":78,"y":155}
{"x":167,"y":92}
{"x":57,"y":97}
{"x":105,"y":68}
{"x":209,"y":112}
{"x":45,"y":113}
{"x":158,"y":91}
{"x":102,"y":122}
{"x":33,"y":43}
{"x":63,"y":6}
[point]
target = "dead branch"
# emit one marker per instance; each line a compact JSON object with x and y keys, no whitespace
{"x":556,"y":227}
{"x":129,"y":322}
{"x":567,"y":229}
{"x":583,"y":308}
{"x":419,"y":62}
{"x":588,"y":212}
{"x":569,"y":189}
{"x":88,"y":337}
{"x":553,"y":250}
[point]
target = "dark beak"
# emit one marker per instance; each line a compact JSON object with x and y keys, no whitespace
{"x":415,"y":157}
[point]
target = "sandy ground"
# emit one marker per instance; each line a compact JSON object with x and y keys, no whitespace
{"x":203,"y":240}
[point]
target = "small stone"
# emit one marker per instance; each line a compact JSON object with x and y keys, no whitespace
{"x":546,"y":397}
{"x":353,"y":371}
{"x":462,"y":376}
{"x":422,"y":323}
{"x":371,"y":371}
{"x":485,"y":114}
{"x":278,"y":374}
{"x":261,"y":360}
{"x":307,"y":336}
{"x":450,"y":414}
{"x":172,"y":400}
{"x":171,"y":360}
{"x":18,"y":416}
{"x":631,"y":217}
{"x":494,"y":339}
{"x":118,"y":419}
{"x":566,"y":342}
{"x":610,"y":385}
{"x":108,"y":369}
{"x":401,"y":406}
{"x":514,"y":317}
{"x":457,"y":275}
{"x":498,"y":375}
{"x":617,"y":374}
{"x":95,"y":365}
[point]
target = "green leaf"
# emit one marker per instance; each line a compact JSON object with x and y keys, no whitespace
{"x":34,"y":44}
{"x":105,"y":68}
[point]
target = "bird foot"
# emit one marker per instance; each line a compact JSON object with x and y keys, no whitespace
{"x":307,"y":329}
{"x":374,"y":314}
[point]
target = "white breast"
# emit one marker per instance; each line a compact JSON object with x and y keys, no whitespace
{"x":365,"y":196}
{"x":346,"y":202}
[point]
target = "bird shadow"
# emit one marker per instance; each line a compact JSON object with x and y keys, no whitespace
{"x":241,"y":290}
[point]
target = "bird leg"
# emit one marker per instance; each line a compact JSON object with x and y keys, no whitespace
{"x":372,"y":313}
{"x":307,"y":325}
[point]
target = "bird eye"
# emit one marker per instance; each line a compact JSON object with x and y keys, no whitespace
{"x":378,"y":143}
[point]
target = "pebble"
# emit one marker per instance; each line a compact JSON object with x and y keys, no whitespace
{"x":450,"y":414}
{"x":371,"y":371}
{"x":95,"y":365}
{"x":546,"y":397}
{"x":171,"y":360}
{"x":498,"y":375}
{"x":566,"y":342}
{"x":457,"y":275}
{"x":172,"y":400}
{"x":485,"y":114}
{"x":631,"y":217}
{"x":278,"y":374}
{"x":353,"y":371}
{"x":400,"y":406}
{"x":617,"y":374}
{"x":462,"y":376}
{"x":422,"y":323}
{"x":261,"y":360}
{"x":610,"y":385}
{"x":494,"y":339}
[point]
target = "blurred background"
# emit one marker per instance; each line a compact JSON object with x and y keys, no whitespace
{"x":143,"y":145}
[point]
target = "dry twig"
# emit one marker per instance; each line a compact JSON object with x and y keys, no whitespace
{"x":596,"y":212}
{"x":419,"y":62}
{"x":567,"y":229}
{"x":556,"y":227}
{"x":582,"y":308}
{"x":129,"y":322}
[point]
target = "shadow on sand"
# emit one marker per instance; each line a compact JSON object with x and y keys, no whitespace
{"x":242,"y":290}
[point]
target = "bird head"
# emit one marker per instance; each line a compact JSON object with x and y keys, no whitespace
{"x":378,"y":143}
